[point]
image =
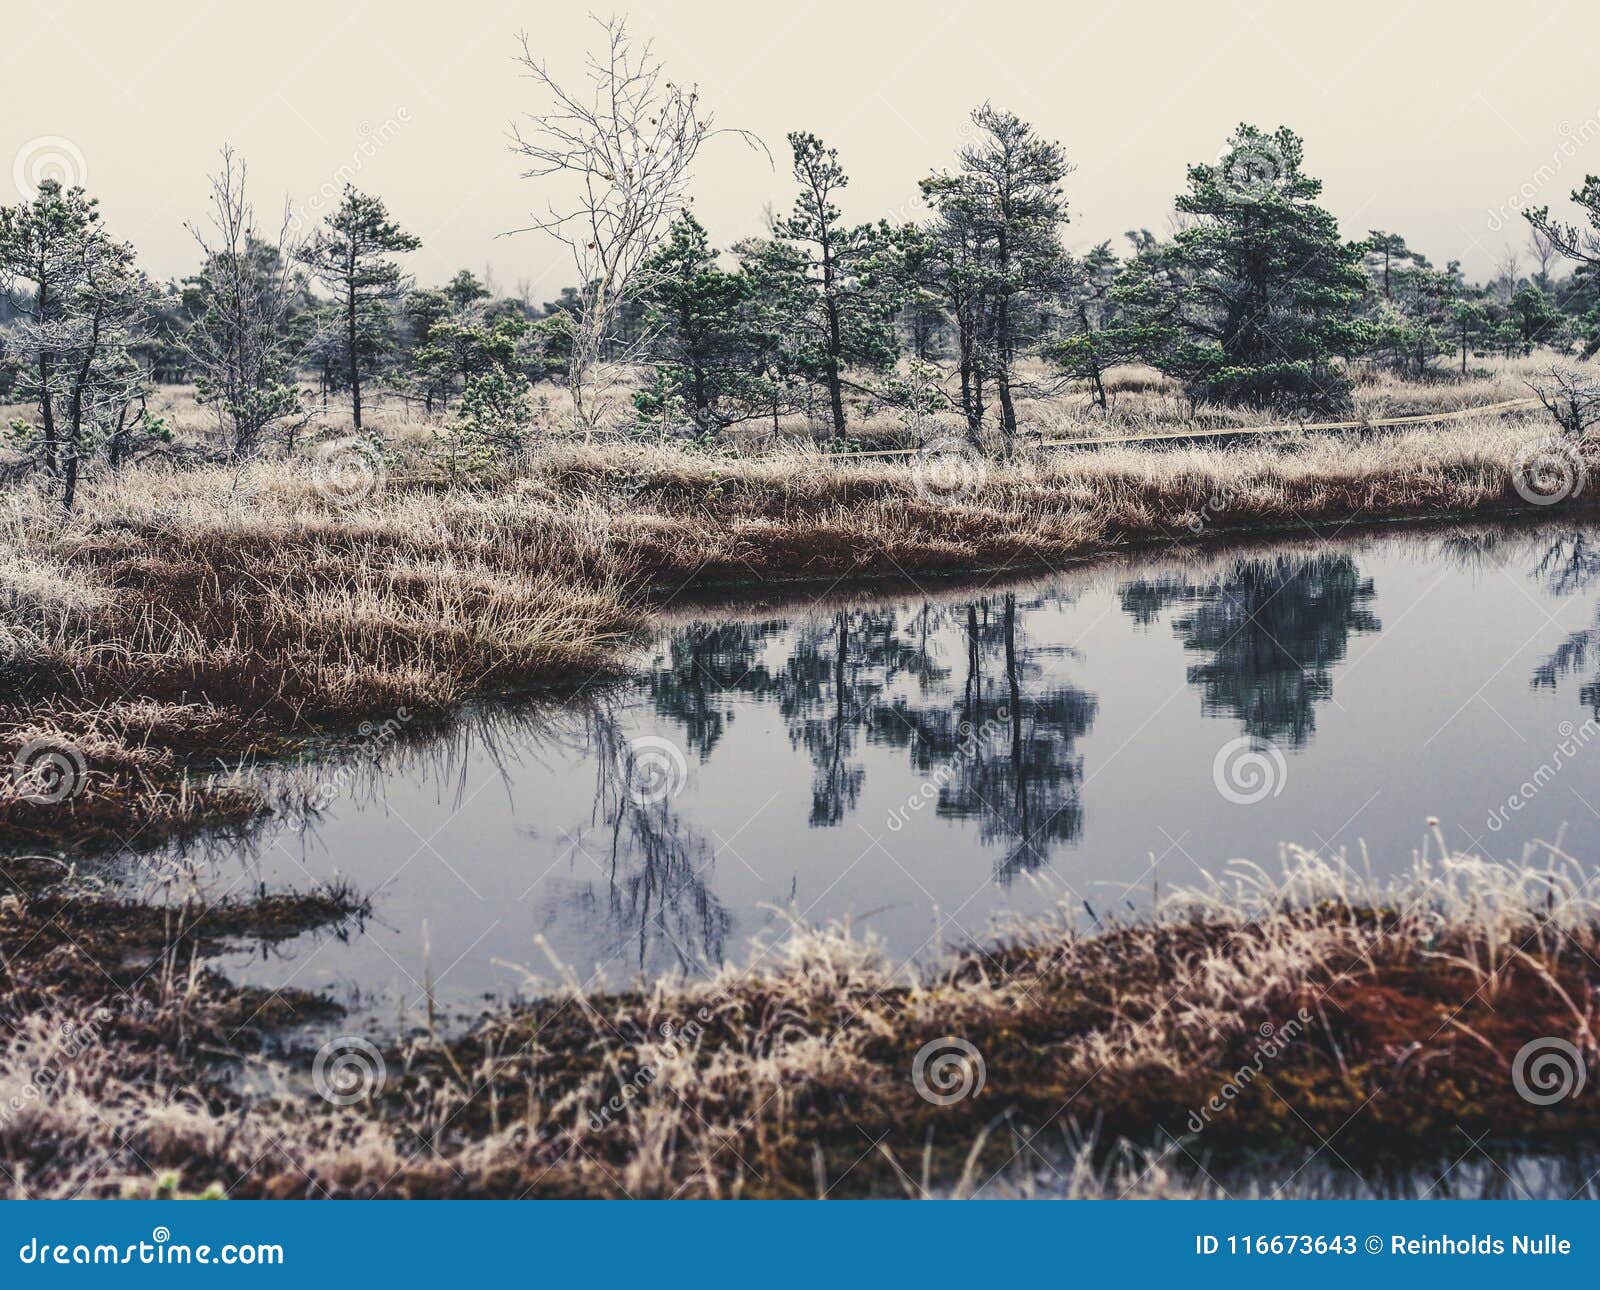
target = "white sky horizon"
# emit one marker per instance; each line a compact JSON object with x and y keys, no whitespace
{"x":1432,"y":120}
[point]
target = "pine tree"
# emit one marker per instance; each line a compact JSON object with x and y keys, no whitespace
{"x":1252,"y":302}
{"x":349,"y":256}
{"x":1536,"y":323}
{"x":1006,"y":192}
{"x":1468,"y":319}
{"x":841,"y":287}
{"x":1097,"y":333}
{"x":419,"y":311}
{"x":1581,"y":245}
{"x":81,"y":317}
{"x":706,"y":355}
{"x":954,"y":268}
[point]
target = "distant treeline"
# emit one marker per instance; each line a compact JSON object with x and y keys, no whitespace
{"x":1253,"y":298}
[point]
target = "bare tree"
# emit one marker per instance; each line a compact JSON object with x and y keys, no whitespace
{"x":240,"y":302}
{"x":1544,"y":252}
{"x":625,"y":144}
{"x":1507,"y":274}
{"x":1572,"y":397}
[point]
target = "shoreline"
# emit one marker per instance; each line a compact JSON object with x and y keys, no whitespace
{"x":201,"y":619}
{"x":1238,"y":1024}
{"x":302,"y":619}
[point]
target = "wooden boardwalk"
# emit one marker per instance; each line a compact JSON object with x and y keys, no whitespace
{"x":1229,"y":432}
{"x":1136,"y":440}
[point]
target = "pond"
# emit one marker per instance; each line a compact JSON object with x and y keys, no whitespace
{"x":931,"y":764}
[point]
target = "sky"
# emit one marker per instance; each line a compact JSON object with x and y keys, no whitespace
{"x":1435,"y":120}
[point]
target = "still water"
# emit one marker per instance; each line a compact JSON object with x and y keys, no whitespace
{"x":930,"y":764}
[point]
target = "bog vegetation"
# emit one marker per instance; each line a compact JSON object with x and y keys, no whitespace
{"x":296,"y":489}
{"x":1261,"y":1015}
{"x":973,"y":320}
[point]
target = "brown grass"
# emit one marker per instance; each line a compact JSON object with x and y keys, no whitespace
{"x":186,"y":620}
{"x":1387,"y":1016}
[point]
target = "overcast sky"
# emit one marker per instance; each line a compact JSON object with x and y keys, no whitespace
{"x":1430,"y":119}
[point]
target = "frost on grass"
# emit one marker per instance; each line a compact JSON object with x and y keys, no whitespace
{"x":1399,"y":1008}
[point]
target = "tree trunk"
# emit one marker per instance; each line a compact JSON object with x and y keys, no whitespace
{"x":971,"y":374}
{"x":69,"y":481}
{"x":835,"y":390}
{"x":1002,"y":338}
{"x":74,"y":436}
{"x":1019,"y":770}
{"x":47,"y":414}
{"x":1008,"y":411}
{"x":355,"y":365}
{"x":1095,"y":382}
{"x":47,"y":411}
{"x":835,"y":338}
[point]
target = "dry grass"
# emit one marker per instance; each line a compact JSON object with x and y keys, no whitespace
{"x":678,"y":515}
{"x":1386,"y":1013}
{"x":207,"y":615}
{"x":1141,"y":400}
{"x":188,"y":619}
{"x":184,"y":621}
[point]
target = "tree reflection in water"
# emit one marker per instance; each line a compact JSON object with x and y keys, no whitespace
{"x":977,"y":695}
{"x":1568,"y":564}
{"x":658,"y":897}
{"x":882,"y":676}
{"x":1271,"y":629}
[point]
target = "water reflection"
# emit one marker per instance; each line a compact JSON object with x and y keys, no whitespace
{"x":1568,"y":566}
{"x":1008,"y":738}
{"x":889,"y":677}
{"x":656,"y":904}
{"x":979,"y":753}
{"x":1272,"y":630}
